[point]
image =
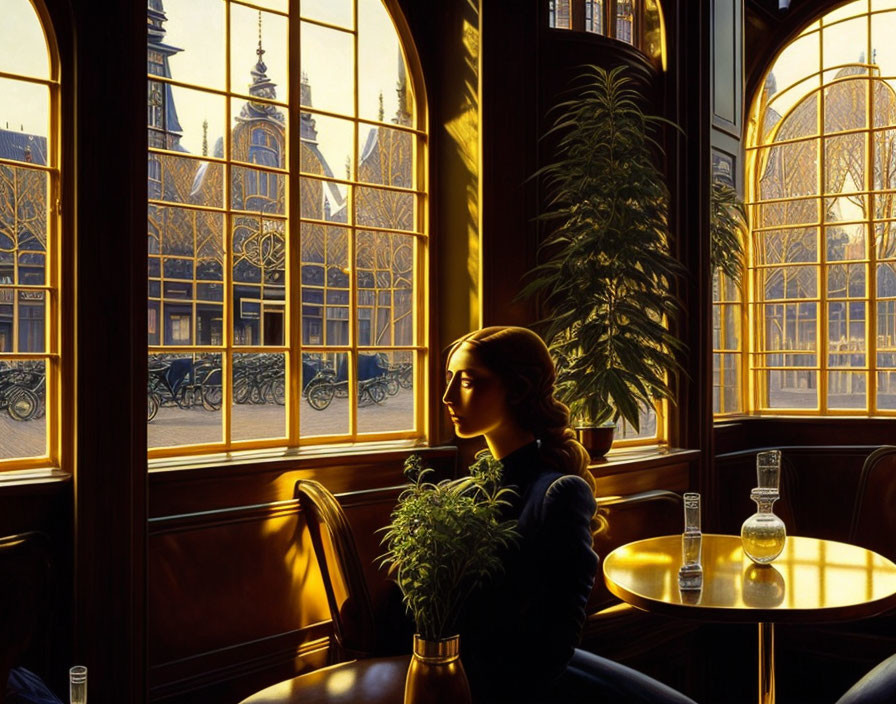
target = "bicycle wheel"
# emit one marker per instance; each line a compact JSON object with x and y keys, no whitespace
{"x":319,"y":394}
{"x":392,"y":385}
{"x":152,"y":406}
{"x":241,"y":388}
{"x":406,"y":378}
{"x":211,"y":397}
{"x":277,"y":392}
{"x":22,"y":403}
{"x":377,"y":391}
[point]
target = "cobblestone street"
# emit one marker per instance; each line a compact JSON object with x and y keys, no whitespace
{"x":177,"y":426}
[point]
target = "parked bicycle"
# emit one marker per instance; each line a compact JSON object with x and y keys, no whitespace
{"x":327,"y":384}
{"x":183,"y":382}
{"x":22,"y":386}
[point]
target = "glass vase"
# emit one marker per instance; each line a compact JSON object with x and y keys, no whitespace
{"x":763,"y":533}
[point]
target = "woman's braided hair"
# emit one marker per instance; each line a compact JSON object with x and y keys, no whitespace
{"x":520,"y":359}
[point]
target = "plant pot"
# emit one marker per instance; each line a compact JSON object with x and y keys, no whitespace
{"x":436,"y":674}
{"x":597,"y":440}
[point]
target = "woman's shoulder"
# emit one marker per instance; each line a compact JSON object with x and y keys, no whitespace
{"x":558,"y":495}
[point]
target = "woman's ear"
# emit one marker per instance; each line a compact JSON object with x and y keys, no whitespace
{"x":520,"y":390}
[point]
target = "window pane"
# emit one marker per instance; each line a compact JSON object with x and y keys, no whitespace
{"x":378,"y":207}
{"x":786,"y":246}
{"x":325,"y":285}
{"x":259,"y":396}
{"x":325,"y":394}
{"x":845,"y":43}
{"x":258,"y":51}
{"x":182,"y":119}
{"x":23,"y":425}
{"x":625,"y":21}
{"x":844,"y":163}
{"x":792,"y":389}
{"x":385,"y":92}
{"x":259,"y":275}
{"x":886,"y":280}
{"x":849,"y":10}
{"x":258,"y":133}
{"x":387,"y":156}
{"x":23,"y":225}
{"x":179,"y":42}
{"x":594,"y":21}
{"x":847,"y":389}
{"x":846,"y":281}
{"x":559,"y":14}
{"x":845,"y":98}
{"x":26,"y":120}
{"x":386,"y":391}
{"x":327,"y":146}
{"x":648,"y":427}
{"x":258,"y":190}
{"x":726,"y":383}
{"x":790,"y":326}
{"x":328,"y":77}
{"x":338,"y":12}
{"x":789,"y":282}
{"x":385,"y":279}
{"x":846,"y":334}
{"x":184,"y":399}
{"x":180,"y":180}
{"x":22,"y":32}
{"x":794,"y":212}
{"x":845,"y":208}
{"x":324,"y":200}
{"x":885,"y":239}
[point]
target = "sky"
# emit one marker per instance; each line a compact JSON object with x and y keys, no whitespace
{"x":843,"y":42}
{"x":23,"y":51}
{"x":323,"y":53}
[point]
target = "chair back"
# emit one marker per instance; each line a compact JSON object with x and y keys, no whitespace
{"x":874,"y":512}
{"x":25,"y":583}
{"x":348,"y":597}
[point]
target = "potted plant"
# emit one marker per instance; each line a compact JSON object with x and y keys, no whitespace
{"x":442,"y":542}
{"x":727,"y":221}
{"x":606,"y":279}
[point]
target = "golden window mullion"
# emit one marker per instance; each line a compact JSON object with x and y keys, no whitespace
{"x":294,"y":287}
{"x":227,"y":323}
{"x":352,"y":245}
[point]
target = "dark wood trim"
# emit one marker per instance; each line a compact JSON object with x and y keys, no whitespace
{"x":242,"y":666}
{"x":110,"y":277}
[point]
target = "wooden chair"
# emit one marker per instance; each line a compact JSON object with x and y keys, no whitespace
{"x":352,"y":675}
{"x":874,"y":513}
{"x":25,"y":584}
{"x":351,"y":608}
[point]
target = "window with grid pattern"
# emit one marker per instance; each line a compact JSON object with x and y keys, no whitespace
{"x":29,"y":239}
{"x":821,"y":164}
{"x":286,"y":232}
{"x":635,"y":22}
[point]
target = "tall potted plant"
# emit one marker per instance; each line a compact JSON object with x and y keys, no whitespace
{"x":727,"y":222}
{"x":442,"y":543}
{"x":606,"y":279}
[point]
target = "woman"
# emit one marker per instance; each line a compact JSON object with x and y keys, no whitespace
{"x":518,"y":634}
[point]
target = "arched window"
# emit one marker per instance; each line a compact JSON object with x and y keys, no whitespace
{"x":287,"y":244}
{"x":822,"y":253}
{"x":635,"y":22}
{"x":29,"y":238}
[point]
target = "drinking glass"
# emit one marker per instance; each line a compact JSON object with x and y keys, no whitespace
{"x":77,"y":683}
{"x":768,"y":471}
{"x":690,"y":574}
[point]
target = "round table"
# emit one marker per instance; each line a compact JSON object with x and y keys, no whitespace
{"x":811,"y":581}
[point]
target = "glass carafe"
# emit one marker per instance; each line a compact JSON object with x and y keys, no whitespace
{"x":763,"y":534}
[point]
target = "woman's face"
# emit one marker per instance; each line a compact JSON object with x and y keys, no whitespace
{"x":475,"y":397}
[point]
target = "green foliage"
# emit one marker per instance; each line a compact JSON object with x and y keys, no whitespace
{"x":727,"y":222}
{"x":444,"y":539}
{"x":607,"y":281}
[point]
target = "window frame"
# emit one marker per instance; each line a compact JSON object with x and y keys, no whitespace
{"x":293,"y":347}
{"x":57,"y":311}
{"x":756,"y":373}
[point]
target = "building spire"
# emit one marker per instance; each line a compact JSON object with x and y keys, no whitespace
{"x":261,"y":87}
{"x":205,"y":138}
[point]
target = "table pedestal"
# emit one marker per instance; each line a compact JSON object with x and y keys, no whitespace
{"x":766,"y":662}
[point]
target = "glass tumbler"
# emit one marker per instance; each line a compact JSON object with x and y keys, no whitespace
{"x":77,"y":684}
{"x":690,"y":574}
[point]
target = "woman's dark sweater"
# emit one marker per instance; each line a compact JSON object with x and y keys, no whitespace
{"x":518,"y":632}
